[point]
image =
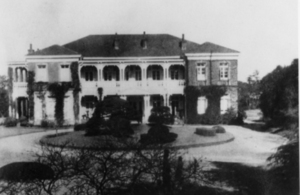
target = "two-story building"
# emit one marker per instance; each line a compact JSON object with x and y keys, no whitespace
{"x":147,"y":70}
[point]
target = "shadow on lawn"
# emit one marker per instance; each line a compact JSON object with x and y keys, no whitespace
{"x":261,"y":127}
{"x":245,"y":179}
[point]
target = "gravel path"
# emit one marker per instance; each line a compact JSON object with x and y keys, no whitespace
{"x":249,"y":147}
{"x":21,"y":147}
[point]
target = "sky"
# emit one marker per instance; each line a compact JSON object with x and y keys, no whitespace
{"x":265,"y":31}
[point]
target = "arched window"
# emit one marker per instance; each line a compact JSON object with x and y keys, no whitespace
{"x":176,"y":72}
{"x":201,"y":71}
{"x":201,"y":105}
{"x":111,"y":73}
{"x":225,"y":103}
{"x":133,"y":72}
{"x":88,"y":73}
{"x":155,"y":72}
{"x":224,"y":71}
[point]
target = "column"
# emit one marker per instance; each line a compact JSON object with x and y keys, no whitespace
{"x":147,"y":108}
{"x":123,"y":97}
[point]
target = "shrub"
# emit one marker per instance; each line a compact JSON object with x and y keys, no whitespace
{"x":210,"y":132}
{"x":219,"y":129}
{"x":48,"y":123}
{"x":161,"y":115}
{"x":25,"y":171}
{"x":80,"y":127}
{"x":10,"y":122}
{"x":229,"y":116}
{"x":120,"y":127}
{"x":158,"y":134}
{"x":24,"y":121}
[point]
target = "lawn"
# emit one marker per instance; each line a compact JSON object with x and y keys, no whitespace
{"x":186,"y":138}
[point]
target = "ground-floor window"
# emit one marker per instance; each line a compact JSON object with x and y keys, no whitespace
{"x":225,"y":103}
{"x":89,"y":101}
{"x":201,"y":105}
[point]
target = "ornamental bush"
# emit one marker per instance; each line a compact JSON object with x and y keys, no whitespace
{"x":158,"y":134}
{"x":80,"y":127}
{"x":25,"y":171}
{"x":48,"y":123}
{"x":219,"y":129}
{"x":161,"y":115}
{"x":10,"y":122}
{"x":210,"y":132}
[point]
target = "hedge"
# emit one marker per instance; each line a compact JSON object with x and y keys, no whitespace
{"x":210,"y":132}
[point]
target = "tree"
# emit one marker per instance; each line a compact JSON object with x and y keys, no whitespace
{"x":159,"y":133}
{"x":3,"y":96}
{"x":111,"y":116}
{"x":279,"y":95}
{"x":110,"y":171}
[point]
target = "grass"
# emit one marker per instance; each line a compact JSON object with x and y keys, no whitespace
{"x":186,"y":139}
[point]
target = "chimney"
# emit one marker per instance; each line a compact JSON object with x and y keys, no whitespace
{"x":116,"y":42}
{"x":183,"y":43}
{"x":144,"y":41}
{"x":30,"y":50}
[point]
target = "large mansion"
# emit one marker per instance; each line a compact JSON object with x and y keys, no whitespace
{"x":148,"y":70}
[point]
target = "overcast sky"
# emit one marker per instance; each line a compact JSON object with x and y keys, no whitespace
{"x":264,"y":31}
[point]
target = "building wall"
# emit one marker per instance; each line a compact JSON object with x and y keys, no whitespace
{"x":53,"y":71}
{"x":213,"y":73}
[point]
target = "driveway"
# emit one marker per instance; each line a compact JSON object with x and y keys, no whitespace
{"x":21,"y":147}
{"x":248,"y":147}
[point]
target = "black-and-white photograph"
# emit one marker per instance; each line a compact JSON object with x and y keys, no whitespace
{"x":153,"y":97}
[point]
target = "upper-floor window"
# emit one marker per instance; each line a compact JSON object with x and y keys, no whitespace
{"x":65,"y":73}
{"x":41,"y":73}
{"x":20,"y":74}
{"x":224,"y":71}
{"x":155,"y":72}
{"x":111,"y":73}
{"x":201,"y":105}
{"x":88,"y":73}
{"x":133,"y":72}
{"x":201,"y":71}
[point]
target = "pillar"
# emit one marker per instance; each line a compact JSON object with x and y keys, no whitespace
{"x":147,"y":108}
{"x":123,"y":97}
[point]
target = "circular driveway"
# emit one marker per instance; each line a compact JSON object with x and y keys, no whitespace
{"x":248,"y":147}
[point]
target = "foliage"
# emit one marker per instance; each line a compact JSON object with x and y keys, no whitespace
{"x":106,"y":114}
{"x":204,"y":131}
{"x":110,"y":172}
{"x":213,"y":95}
{"x":4,"y":96}
{"x":285,"y":171}
{"x":23,"y":121}
{"x":279,"y":98}
{"x":10,"y":122}
{"x":76,"y":88}
{"x":158,"y":134}
{"x":219,"y":129}
{"x":120,"y":127}
{"x":48,"y":123}
{"x":25,"y":171}
{"x":161,"y":115}
{"x":80,"y":127}
{"x":229,"y":117}
{"x":30,"y":92}
{"x":58,"y":90}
